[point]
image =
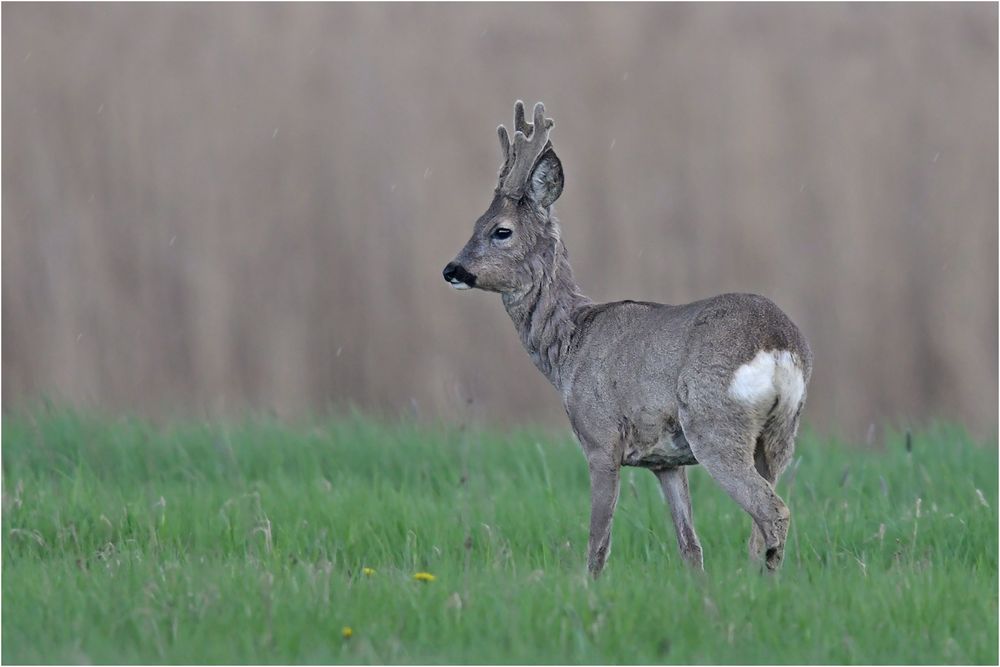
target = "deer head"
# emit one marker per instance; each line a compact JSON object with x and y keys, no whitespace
{"x":517,"y":227}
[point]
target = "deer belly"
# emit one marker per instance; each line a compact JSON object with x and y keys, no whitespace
{"x":655,"y":441}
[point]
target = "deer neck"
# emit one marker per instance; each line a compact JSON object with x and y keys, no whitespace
{"x":544,"y":313}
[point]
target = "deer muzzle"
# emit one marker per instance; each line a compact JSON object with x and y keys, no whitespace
{"x":458,"y":277}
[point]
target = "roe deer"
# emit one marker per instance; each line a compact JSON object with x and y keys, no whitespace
{"x":719,"y":382}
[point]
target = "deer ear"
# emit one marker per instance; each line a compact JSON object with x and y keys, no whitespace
{"x":546,"y":181}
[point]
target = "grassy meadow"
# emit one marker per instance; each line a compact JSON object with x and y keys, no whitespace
{"x":126,"y":541}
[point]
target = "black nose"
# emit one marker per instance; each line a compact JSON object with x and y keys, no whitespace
{"x":455,"y":273}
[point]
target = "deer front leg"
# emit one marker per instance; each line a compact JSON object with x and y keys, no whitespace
{"x":604,"y":477}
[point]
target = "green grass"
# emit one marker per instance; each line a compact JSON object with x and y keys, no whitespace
{"x":128,"y":542}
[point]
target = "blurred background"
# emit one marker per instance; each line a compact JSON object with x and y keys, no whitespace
{"x":210,"y":208}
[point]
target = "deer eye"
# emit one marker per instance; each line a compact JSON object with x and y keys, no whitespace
{"x":501,"y":233}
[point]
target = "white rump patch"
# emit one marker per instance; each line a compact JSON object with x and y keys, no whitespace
{"x":769,"y":375}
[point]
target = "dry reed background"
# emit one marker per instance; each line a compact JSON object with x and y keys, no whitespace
{"x":213,"y":207}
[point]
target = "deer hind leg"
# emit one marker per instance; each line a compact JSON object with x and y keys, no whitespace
{"x":724,"y":445}
{"x":773,"y":451}
{"x":755,"y":545}
{"x":674,"y":482}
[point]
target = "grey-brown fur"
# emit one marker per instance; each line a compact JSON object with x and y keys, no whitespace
{"x":719,"y":382}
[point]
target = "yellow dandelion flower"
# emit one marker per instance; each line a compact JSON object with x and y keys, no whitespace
{"x":347,"y":632}
{"x":368,"y":571}
{"x":424,"y":576}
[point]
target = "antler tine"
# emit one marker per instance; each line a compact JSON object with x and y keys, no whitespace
{"x":519,"y":124}
{"x":505,"y":151}
{"x":540,"y":119}
{"x":504,"y":141}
